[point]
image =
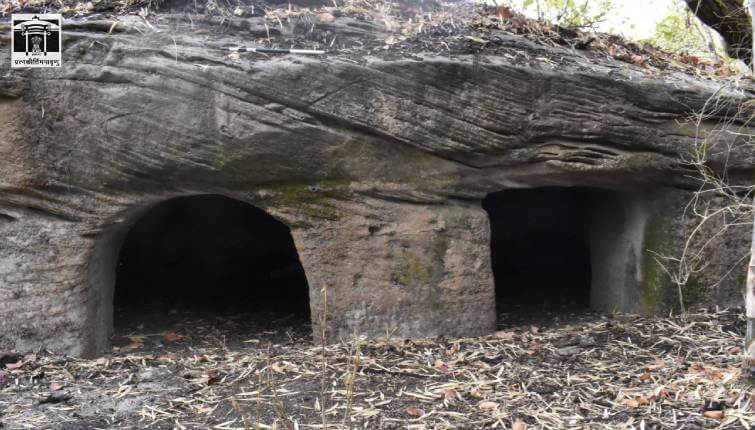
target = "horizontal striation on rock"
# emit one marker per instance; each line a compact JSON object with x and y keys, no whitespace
{"x":375,"y":160}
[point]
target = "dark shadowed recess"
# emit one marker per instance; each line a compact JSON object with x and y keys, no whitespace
{"x":208,"y":256}
{"x":540,"y":248}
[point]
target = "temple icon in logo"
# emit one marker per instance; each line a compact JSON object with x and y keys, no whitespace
{"x":36,"y":40}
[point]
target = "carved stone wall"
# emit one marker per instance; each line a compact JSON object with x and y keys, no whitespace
{"x":377,"y":164}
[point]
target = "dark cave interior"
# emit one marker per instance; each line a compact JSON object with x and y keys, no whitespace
{"x":209,"y":255}
{"x":540,"y":248}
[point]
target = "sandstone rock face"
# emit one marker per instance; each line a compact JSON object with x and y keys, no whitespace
{"x":376,"y":162}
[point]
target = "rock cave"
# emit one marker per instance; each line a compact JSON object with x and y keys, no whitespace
{"x":569,"y":248}
{"x":540,"y":248}
{"x":383,"y":169}
{"x":207,"y":256}
{"x":391,"y":214}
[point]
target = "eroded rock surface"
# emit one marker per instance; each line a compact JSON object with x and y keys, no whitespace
{"x":377,"y":159}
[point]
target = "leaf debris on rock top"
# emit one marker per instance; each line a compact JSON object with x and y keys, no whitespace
{"x":392,"y":29}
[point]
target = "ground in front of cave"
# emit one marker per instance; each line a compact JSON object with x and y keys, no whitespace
{"x":545,"y":369}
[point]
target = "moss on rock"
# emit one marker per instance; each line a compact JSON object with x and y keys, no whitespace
{"x":414,"y":272}
{"x":314,"y":200}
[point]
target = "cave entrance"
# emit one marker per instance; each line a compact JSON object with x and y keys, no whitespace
{"x":204,"y":258}
{"x":541,"y":252}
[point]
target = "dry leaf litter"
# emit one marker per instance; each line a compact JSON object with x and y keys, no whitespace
{"x":555,"y":371}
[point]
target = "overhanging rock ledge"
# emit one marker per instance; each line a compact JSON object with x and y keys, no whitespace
{"x":377,"y":160}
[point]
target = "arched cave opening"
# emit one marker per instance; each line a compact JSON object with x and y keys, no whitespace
{"x":207,"y":257}
{"x":541,"y":248}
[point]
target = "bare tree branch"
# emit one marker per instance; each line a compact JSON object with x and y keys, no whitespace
{"x":730,"y":19}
